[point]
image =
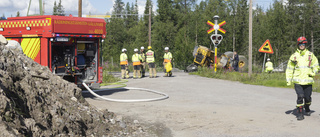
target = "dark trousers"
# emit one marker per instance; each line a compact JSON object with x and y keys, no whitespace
{"x":303,"y":93}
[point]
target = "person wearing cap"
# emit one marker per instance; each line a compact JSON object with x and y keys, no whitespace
{"x":167,"y":57}
{"x":301,"y":69}
{"x":143,"y":62}
{"x":269,"y":66}
{"x":136,"y":58}
{"x":124,"y":64}
{"x":150,"y":59}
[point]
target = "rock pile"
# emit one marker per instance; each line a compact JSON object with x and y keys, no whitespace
{"x":34,"y":102}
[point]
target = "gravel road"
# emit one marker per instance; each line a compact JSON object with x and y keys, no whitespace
{"x":205,"y":107}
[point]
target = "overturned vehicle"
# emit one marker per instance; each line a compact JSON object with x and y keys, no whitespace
{"x":204,"y":57}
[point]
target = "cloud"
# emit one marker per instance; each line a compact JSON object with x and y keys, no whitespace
{"x":141,"y":6}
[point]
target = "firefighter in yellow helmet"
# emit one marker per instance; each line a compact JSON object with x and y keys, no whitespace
{"x":150,"y":59}
{"x":136,"y":64}
{"x":302,"y":67}
{"x":167,"y":57}
{"x":269,"y":66}
{"x":124,"y":64}
{"x":143,"y":62}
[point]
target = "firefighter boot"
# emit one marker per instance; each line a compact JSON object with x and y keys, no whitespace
{"x":307,"y":109}
{"x":127,"y":73}
{"x":154,"y":73}
{"x":300,"y":113}
{"x":123,"y":73}
{"x":139,"y":74}
{"x":134,"y":73}
{"x":150,"y":72}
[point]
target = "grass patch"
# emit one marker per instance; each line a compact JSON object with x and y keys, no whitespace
{"x":264,"y":79}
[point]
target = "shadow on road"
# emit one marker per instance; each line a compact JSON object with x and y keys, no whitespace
{"x":295,"y":113}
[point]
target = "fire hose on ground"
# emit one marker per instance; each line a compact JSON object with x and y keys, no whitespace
{"x":164,"y":96}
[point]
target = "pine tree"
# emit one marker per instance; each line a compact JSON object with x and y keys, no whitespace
{"x":58,"y":10}
{"x":118,"y":8}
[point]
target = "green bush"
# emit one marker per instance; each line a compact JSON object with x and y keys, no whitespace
{"x":108,"y":78}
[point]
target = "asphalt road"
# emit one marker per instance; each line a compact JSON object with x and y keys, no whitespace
{"x":205,"y":107}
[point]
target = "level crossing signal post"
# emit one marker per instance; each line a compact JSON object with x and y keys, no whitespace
{"x":216,"y":38}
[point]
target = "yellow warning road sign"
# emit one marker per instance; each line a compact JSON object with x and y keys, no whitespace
{"x":266,"y":47}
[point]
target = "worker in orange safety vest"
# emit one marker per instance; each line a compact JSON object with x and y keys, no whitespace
{"x":124,"y":64}
{"x":167,"y":57}
{"x":136,"y":64}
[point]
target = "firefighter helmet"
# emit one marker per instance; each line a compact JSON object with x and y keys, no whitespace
{"x":149,"y":47}
{"x":268,"y":59}
{"x":142,"y":47}
{"x":302,"y":40}
{"x":166,"y":48}
{"x":135,"y":50}
{"x":124,"y":50}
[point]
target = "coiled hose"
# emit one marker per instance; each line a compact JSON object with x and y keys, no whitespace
{"x":165,"y":96}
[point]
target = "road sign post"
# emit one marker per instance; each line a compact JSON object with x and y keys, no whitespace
{"x":265,"y":48}
{"x":216,"y":38}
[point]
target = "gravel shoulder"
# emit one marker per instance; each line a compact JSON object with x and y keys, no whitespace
{"x":204,"y":107}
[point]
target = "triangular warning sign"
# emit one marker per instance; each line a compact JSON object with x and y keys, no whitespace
{"x":266,"y":47}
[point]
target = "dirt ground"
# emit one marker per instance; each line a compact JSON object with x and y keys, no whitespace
{"x":204,"y":107}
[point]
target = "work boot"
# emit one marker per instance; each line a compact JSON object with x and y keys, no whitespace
{"x":307,"y":110}
{"x":300,"y":113}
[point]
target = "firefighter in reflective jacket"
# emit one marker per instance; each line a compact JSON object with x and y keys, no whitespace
{"x":167,"y":58}
{"x":143,"y":61}
{"x":269,"y":66}
{"x":136,"y":64}
{"x":124,"y":64}
{"x":302,"y":67}
{"x":150,"y":60}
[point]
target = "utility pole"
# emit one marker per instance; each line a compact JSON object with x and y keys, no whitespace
{"x":80,"y":8}
{"x":40,"y":7}
{"x":43,"y":9}
{"x":311,"y":33}
{"x":150,"y":25}
{"x":250,"y":39}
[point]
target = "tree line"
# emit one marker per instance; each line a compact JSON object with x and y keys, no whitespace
{"x":181,"y":25}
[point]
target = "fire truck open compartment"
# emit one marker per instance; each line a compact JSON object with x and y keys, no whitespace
{"x":69,"y":46}
{"x":76,"y":59}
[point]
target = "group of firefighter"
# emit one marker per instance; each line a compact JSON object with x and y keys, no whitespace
{"x":141,"y":59}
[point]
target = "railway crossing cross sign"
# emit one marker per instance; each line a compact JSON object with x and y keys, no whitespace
{"x":216,"y":27}
{"x":266,"y":47}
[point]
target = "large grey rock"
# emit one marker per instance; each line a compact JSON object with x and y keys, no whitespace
{"x":35,"y":102}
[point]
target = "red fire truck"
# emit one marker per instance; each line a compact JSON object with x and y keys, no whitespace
{"x":69,"y":46}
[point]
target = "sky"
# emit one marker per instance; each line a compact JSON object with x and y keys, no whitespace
{"x":95,"y":7}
